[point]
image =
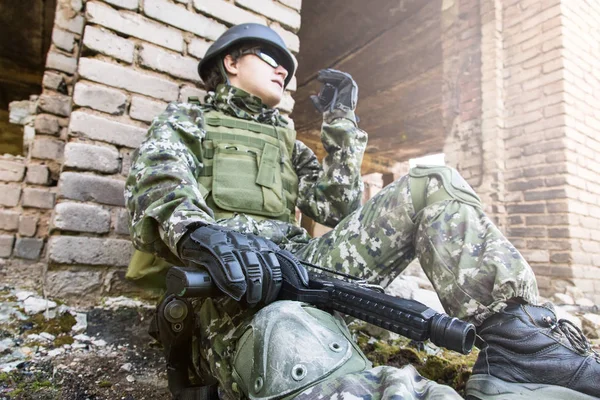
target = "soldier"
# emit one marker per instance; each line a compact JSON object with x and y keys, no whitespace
{"x":217,"y":184}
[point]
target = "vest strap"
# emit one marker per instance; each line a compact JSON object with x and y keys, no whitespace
{"x":216,"y":120}
{"x":268,"y":166}
{"x":241,"y":139}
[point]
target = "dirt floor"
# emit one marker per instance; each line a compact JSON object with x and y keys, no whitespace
{"x":113,"y":357}
{"x":118,"y":360}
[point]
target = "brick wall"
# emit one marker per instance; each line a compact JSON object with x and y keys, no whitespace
{"x":528,"y":140}
{"x":535,"y":169}
{"x":581,"y":72}
{"x":23,"y":205}
{"x":550,"y":196}
{"x":113,"y":66}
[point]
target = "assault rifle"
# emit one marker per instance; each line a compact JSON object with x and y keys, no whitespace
{"x":366,"y":302}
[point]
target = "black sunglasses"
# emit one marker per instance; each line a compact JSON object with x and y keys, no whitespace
{"x":263,"y":56}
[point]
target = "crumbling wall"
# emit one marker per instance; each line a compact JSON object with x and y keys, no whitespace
{"x":28,"y":183}
{"x":113,"y":66}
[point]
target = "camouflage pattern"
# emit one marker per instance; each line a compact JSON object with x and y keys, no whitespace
{"x":380,"y":383}
{"x":472,"y":266}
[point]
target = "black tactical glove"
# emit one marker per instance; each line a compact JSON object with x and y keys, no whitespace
{"x":241,"y":263}
{"x":339,"y":91}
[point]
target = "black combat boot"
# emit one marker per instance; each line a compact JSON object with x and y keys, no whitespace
{"x":526,"y":353}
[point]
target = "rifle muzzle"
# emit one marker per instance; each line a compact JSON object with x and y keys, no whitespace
{"x":452,"y":333}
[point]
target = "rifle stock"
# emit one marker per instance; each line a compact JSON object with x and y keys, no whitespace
{"x":405,"y":317}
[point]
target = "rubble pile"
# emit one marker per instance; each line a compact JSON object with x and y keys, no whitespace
{"x":49,"y":350}
{"x":52,"y":351}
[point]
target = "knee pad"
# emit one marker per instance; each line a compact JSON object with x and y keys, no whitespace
{"x":454,"y":187}
{"x":289,"y":346}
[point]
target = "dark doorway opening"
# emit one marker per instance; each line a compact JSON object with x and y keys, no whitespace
{"x":25,"y":37}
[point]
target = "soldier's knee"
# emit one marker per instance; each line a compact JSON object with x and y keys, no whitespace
{"x":450,"y":186}
{"x":289,"y":346}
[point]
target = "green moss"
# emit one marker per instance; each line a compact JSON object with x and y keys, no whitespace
{"x":445,"y":367}
{"x":4,"y":378}
{"x":62,"y":340}
{"x":15,"y":393}
{"x":6,"y":295}
{"x":105,"y":384}
{"x":39,"y":385}
{"x":55,"y":326}
{"x":25,"y":384}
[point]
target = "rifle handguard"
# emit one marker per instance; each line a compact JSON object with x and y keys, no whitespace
{"x":408,"y":318}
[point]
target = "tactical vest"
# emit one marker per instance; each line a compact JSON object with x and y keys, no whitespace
{"x":247,"y":168}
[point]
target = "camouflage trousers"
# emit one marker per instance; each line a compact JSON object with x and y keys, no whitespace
{"x":472,"y":266}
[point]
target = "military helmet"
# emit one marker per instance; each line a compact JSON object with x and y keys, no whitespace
{"x":243,"y":33}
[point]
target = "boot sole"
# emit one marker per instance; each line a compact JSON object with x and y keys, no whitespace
{"x":487,"y":387}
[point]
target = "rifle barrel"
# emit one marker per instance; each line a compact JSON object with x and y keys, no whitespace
{"x":405,"y":317}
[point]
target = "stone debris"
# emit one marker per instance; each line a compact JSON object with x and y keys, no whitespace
{"x":415,"y":288}
{"x":591,"y":325}
{"x":47,"y":336}
{"x":23,"y":295}
{"x":8,"y":312}
{"x":584,"y":302}
{"x":562,"y":298}
{"x":35,"y":305}
{"x":113,"y":303}
{"x":54,"y":352}
{"x":41,"y":345}
{"x":33,"y":338}
{"x":6,"y":344}
{"x":429,"y":298}
{"x":99,"y":343}
{"x":402,"y":286}
{"x":82,"y":338}
{"x":126,"y":367}
{"x":21,"y":112}
{"x":81,"y":322}
{"x":562,"y":313}
{"x":60,"y":310}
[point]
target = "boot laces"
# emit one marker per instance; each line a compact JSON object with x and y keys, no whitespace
{"x":574,"y":335}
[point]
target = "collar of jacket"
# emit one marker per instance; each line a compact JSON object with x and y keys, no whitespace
{"x":241,"y":104}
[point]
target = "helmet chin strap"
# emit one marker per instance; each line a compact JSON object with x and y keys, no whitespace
{"x":224,"y":73}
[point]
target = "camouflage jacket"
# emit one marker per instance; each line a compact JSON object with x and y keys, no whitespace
{"x":162,"y":193}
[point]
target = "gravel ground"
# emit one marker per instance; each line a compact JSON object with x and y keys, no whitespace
{"x":50,"y":351}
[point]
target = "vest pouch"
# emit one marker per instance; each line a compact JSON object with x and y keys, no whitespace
{"x":241,"y":183}
{"x":269,"y":179}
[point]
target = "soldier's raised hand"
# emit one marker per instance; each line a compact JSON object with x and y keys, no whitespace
{"x":339,"y":91}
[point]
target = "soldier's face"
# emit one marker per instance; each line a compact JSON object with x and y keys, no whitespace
{"x":257,"y":77}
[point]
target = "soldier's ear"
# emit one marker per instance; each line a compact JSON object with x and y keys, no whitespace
{"x":231,"y":65}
